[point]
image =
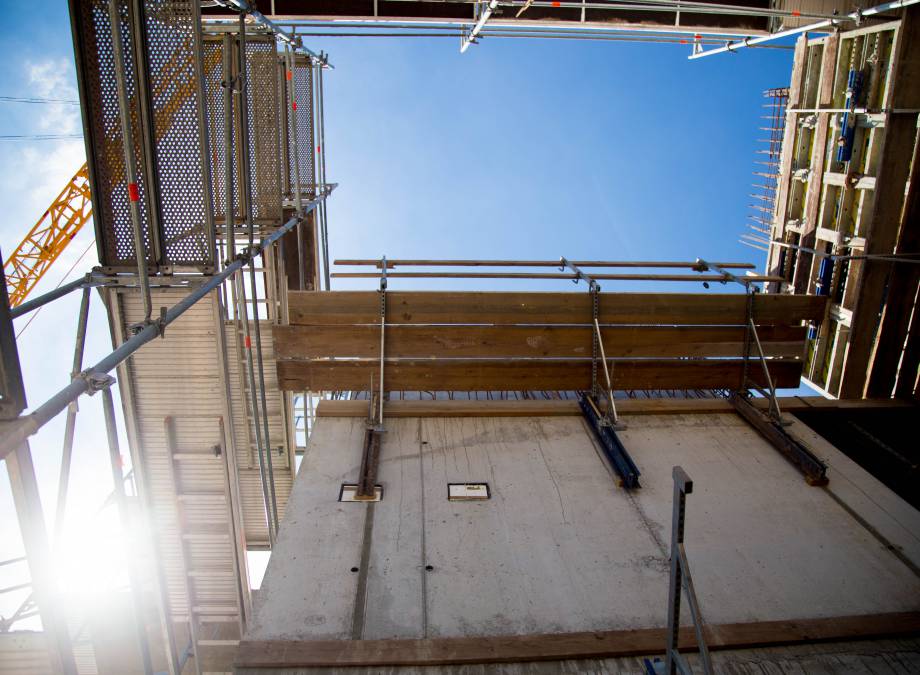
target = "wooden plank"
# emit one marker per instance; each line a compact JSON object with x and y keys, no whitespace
{"x":526,"y":375}
{"x":570,"y":407}
{"x":558,"y":646}
{"x":313,"y":342}
{"x":455,"y":307}
{"x":891,"y":178}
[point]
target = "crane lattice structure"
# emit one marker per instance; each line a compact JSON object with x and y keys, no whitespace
{"x":45,"y":242}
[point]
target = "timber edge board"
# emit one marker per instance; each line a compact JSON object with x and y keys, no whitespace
{"x":560,"y":646}
{"x":569,"y":407}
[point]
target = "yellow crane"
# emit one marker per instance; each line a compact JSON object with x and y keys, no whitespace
{"x":66,"y":216}
{"x":73,"y":208}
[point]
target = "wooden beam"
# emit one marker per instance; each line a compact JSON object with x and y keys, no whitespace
{"x":314,"y":342}
{"x":527,"y":375}
{"x":559,"y":646}
{"x":454,"y":307}
{"x":900,"y":299}
{"x":570,"y":408}
{"x":891,"y":179}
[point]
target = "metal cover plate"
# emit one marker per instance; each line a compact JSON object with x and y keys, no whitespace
{"x":349,"y":493}
{"x":466,"y":492}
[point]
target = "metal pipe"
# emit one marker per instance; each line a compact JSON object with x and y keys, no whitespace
{"x":246,"y":162}
{"x":27,"y":425}
{"x":856,"y":17}
{"x":115,"y":461}
{"x":262,"y":397}
{"x":298,"y":198}
{"x":204,"y":140}
{"x":536,"y":263}
{"x":323,"y":223}
{"x":292,"y":40}
{"x":483,"y":17}
{"x":130,"y":169}
{"x":229,"y":214}
{"x":59,"y":292}
{"x":693,"y":6}
{"x":524,"y":275}
{"x":242,"y":315}
{"x":70,"y":426}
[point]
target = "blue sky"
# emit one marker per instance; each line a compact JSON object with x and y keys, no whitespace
{"x":516,"y":149}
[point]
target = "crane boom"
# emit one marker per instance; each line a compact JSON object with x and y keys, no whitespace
{"x":65,"y":217}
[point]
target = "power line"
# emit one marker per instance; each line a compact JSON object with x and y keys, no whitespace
{"x":39,"y":137}
{"x":23,"y":99}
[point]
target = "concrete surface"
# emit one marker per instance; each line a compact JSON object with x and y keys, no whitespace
{"x":559,"y":547}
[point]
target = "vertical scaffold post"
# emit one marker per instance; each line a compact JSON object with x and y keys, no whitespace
{"x":682,"y":581}
{"x":115,"y":462}
{"x":124,"y":116}
{"x":70,"y":425}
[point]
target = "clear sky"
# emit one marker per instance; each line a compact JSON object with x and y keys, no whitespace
{"x":516,"y":149}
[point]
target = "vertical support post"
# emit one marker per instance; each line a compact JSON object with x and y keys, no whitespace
{"x":124,"y":116}
{"x":682,"y":487}
{"x":298,"y":199}
{"x":35,"y":541}
{"x":322,"y":165}
{"x":680,"y":580}
{"x":71,"y":423}
{"x":204,"y":141}
{"x":228,"y":85}
{"x":241,"y":312}
{"x":383,"y":326}
{"x":108,"y":409}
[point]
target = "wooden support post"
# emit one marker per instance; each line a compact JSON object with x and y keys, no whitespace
{"x":891,"y":179}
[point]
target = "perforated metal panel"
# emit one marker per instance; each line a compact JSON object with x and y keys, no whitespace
{"x":175,"y":98}
{"x":263,"y":118}
{"x":303,"y":117}
{"x":214,"y":79}
{"x":167,"y":144}
{"x":110,"y":196}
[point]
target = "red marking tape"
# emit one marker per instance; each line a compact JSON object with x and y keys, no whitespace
{"x":557,"y":4}
{"x":796,"y":12}
{"x":247,"y":342}
{"x":683,"y":42}
{"x":294,"y":105}
{"x":317,"y":148}
{"x":289,"y":75}
{"x":132,"y":192}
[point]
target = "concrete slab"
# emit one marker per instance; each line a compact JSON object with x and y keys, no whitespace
{"x":559,"y":547}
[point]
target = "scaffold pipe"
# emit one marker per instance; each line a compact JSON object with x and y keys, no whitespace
{"x":855,"y":17}
{"x":88,"y":380}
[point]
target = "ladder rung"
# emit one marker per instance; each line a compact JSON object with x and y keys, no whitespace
{"x":183,"y":456}
{"x":218,"y":643}
{"x":214,"y":610}
{"x":205,"y":536}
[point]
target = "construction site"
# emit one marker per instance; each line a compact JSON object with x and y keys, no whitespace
{"x":546,"y":476}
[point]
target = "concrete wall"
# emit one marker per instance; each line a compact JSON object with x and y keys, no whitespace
{"x":559,"y":547}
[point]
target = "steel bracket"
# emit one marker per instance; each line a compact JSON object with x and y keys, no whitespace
{"x":96,"y":381}
{"x":814,"y":470}
{"x":626,"y":470}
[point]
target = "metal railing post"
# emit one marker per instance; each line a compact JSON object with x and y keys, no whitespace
{"x":70,"y":426}
{"x":115,"y":461}
{"x":124,"y":116}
